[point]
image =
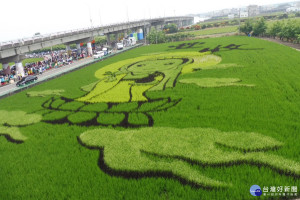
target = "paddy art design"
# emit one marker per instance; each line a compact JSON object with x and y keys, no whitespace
{"x":10,"y":123}
{"x":119,"y":97}
{"x":203,"y":49}
{"x":174,"y":153}
{"x":158,"y":122}
{"x":128,"y":80}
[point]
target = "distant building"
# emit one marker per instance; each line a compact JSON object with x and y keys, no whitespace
{"x":293,"y":9}
{"x":234,"y":11}
{"x":243,"y":14}
{"x":231,"y":16}
{"x":253,"y":10}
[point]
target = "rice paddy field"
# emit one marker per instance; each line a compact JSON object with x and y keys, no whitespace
{"x":202,"y":119}
{"x":218,"y":30}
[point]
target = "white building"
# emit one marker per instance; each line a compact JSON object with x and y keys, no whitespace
{"x":253,"y":10}
{"x":243,"y":14}
{"x":231,"y":16}
{"x":293,"y":9}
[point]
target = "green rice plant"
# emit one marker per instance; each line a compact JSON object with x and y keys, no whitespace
{"x":71,"y":106}
{"x":110,"y":118}
{"x":215,"y":82}
{"x":12,"y":134}
{"x":95,"y":107}
{"x":124,"y":107}
{"x":138,"y":119}
{"x":99,"y":89}
{"x":80,"y":117}
{"x":270,"y":108}
{"x":11,"y":120}
{"x":137,"y":92}
{"x":120,"y":93}
{"x":212,"y":31}
{"x":220,"y":66}
{"x":45,"y":93}
{"x":149,"y":106}
{"x":57,"y":102}
{"x":18,"y":118}
{"x":56,"y":115}
{"x":202,"y":62}
{"x":149,"y":72}
{"x":123,"y":150}
{"x":89,"y":87}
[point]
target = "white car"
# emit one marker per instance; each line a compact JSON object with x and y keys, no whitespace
{"x":98,"y":54}
{"x":106,"y":51}
{"x":119,"y":46}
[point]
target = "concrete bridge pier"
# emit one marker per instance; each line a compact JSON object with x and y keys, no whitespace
{"x":179,"y":24}
{"x":78,"y":47}
{"x":148,"y":28}
{"x":117,"y":37}
{"x":89,"y":49}
{"x":68,"y":49}
{"x":16,"y":59}
{"x":85,"y":40}
{"x":20,"y":68}
{"x":5,"y":66}
{"x":108,"y":39}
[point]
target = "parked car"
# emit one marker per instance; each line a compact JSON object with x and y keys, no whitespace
{"x":27,"y":80}
{"x":119,"y":46}
{"x":106,"y":51}
{"x":98,"y":54}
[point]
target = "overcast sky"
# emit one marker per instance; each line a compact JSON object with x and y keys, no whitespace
{"x":23,"y":18}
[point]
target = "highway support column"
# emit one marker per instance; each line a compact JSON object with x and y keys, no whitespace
{"x":89,"y":49}
{"x":78,"y":48}
{"x":20,"y":68}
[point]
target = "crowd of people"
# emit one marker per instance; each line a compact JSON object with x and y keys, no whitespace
{"x":50,"y":61}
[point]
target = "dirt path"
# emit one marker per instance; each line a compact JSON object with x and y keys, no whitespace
{"x":295,"y":46}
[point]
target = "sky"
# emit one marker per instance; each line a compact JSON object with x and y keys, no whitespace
{"x":24,"y":18}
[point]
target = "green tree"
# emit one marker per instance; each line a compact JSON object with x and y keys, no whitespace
{"x":290,"y":30}
{"x":100,"y":40}
{"x":283,"y":16}
{"x":172,"y":28}
{"x":247,"y":27}
{"x":260,"y":27}
{"x":156,"y":37}
{"x":275,"y":29}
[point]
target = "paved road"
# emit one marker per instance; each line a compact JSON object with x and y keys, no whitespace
{"x":12,"y":88}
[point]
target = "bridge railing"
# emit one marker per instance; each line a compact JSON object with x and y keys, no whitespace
{"x":31,"y":40}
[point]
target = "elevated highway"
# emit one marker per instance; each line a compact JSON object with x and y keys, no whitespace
{"x":13,"y":51}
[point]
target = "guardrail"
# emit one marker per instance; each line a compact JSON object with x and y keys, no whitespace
{"x":62,"y":72}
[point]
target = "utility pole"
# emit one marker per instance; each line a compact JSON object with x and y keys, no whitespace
{"x":156,"y":35}
{"x":145,"y":29}
{"x":239,"y":20}
{"x":90,"y":17}
{"x":100,"y":17}
{"x":127,"y":13}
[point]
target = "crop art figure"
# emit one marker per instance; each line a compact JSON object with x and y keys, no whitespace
{"x":173,"y":152}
